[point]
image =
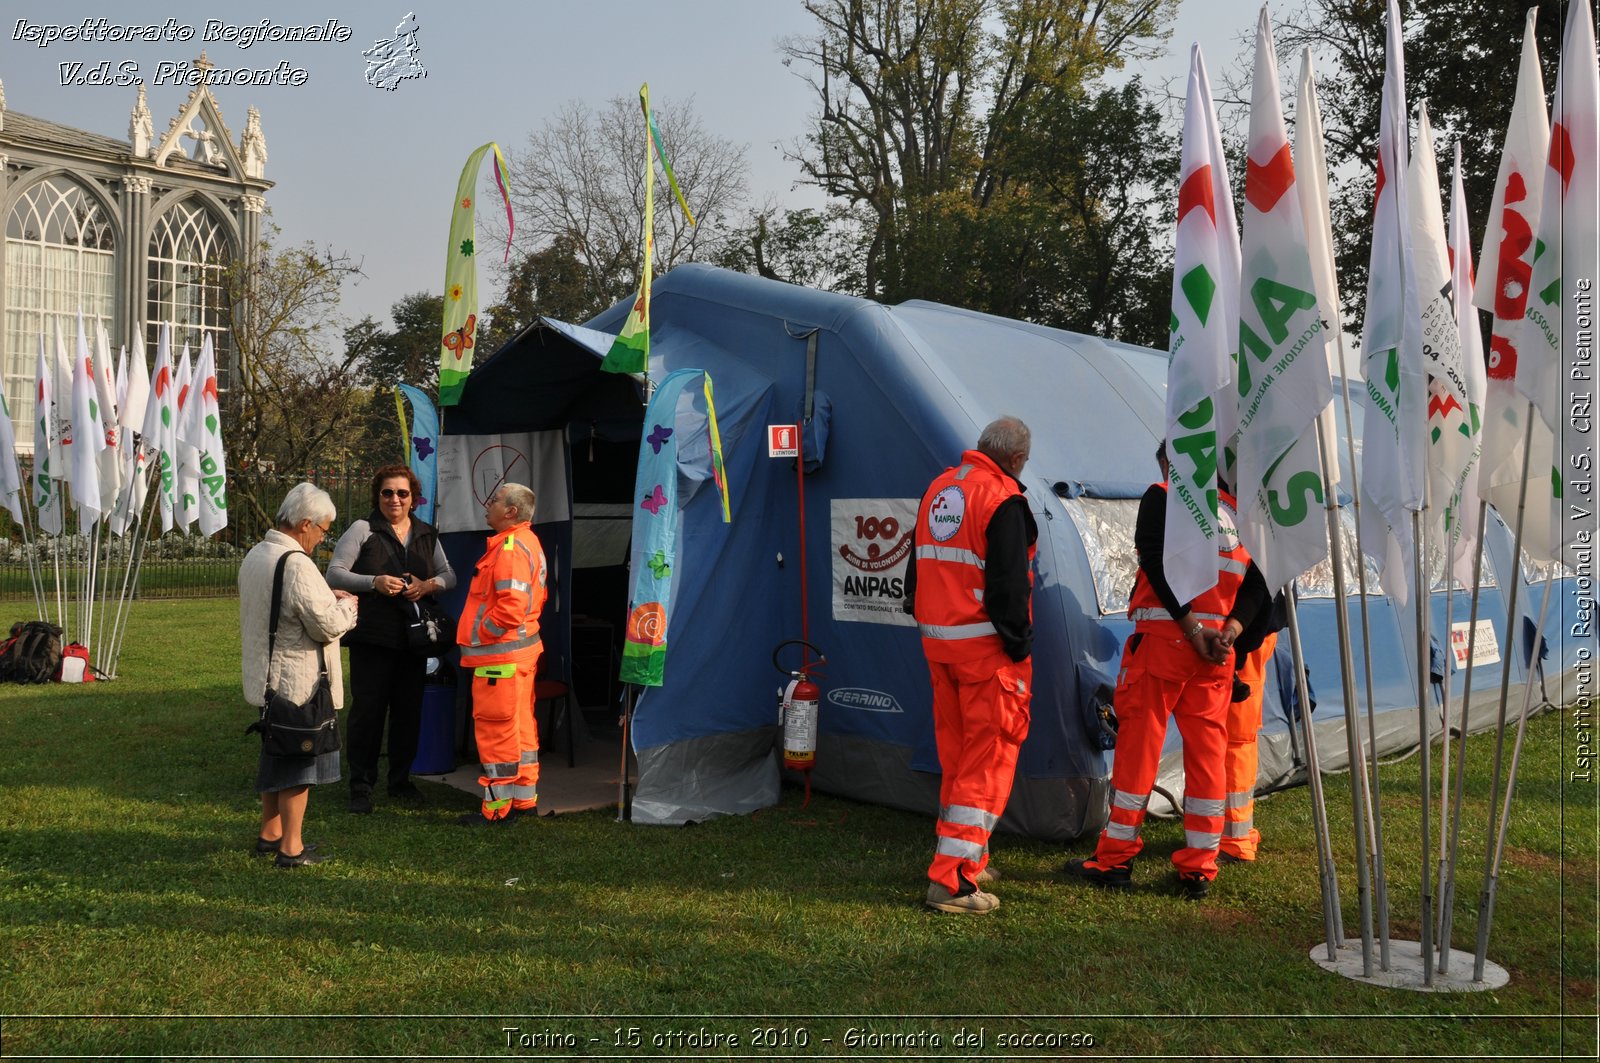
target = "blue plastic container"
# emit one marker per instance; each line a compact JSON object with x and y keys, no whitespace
{"x":436,"y":741}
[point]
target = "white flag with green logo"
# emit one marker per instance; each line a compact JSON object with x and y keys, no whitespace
{"x":1393,"y":441}
{"x":1461,"y":522}
{"x":1452,"y":417}
{"x":1201,"y":404}
{"x":1556,"y":368}
{"x":1282,"y":366}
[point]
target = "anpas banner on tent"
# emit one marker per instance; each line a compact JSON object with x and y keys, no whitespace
{"x":871,"y":540}
{"x":472,"y":467}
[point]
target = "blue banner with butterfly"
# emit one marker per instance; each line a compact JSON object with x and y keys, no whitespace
{"x":671,"y":420}
{"x":424,"y":448}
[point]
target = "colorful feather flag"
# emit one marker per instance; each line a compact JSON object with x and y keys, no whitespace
{"x":657,"y":521}
{"x":630,"y":352}
{"x":423,"y":448}
{"x":460,"y":327}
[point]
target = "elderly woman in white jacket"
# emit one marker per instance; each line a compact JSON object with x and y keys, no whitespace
{"x":311,"y":614}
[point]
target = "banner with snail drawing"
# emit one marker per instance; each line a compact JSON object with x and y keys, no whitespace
{"x":674,"y":417}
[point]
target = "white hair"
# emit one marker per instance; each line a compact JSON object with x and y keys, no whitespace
{"x":305,"y":501}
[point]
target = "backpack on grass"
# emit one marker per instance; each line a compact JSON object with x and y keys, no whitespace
{"x":32,"y":654}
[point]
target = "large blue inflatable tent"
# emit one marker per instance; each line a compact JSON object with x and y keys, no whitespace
{"x":888,"y":397}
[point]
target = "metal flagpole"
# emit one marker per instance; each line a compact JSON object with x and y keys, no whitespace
{"x":624,"y":811}
{"x":30,"y":548}
{"x":135,"y":544}
{"x":136,"y":561}
{"x":1380,"y":878}
{"x":1491,"y":874}
{"x":1447,"y":866}
{"x":1331,"y":916}
{"x":1422,"y":592}
{"x":1505,"y":663}
{"x":1352,"y":721}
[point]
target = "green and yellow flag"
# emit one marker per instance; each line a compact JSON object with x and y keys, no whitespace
{"x":630,"y":352}
{"x":460,"y":327}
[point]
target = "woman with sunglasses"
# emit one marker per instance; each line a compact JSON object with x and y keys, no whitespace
{"x":389,"y":560}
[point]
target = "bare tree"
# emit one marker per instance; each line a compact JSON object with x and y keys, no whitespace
{"x":297,"y":397}
{"x":579,"y":180}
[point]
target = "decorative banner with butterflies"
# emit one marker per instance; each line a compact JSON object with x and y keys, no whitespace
{"x":657,"y":517}
{"x":459,"y":332}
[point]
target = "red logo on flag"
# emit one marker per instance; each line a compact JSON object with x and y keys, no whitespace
{"x":1265,"y":183}
{"x":1196,"y":192}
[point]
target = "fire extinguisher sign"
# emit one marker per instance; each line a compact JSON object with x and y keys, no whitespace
{"x":871,"y":551}
{"x":783,"y":441}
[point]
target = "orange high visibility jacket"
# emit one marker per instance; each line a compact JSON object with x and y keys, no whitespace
{"x":952,"y":547}
{"x":500,"y":622}
{"x":1211,"y":607}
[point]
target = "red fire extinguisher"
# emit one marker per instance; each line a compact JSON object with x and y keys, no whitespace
{"x":798,"y":702}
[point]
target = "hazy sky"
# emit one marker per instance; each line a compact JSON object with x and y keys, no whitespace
{"x":372,"y":171}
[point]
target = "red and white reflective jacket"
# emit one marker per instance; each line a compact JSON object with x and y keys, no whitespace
{"x":500,"y":622}
{"x":952,"y":548}
{"x":1210,"y":607}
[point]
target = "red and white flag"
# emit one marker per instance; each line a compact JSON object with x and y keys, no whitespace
{"x":1461,"y":520}
{"x":1394,"y":441}
{"x":1555,"y":363}
{"x":47,"y":464}
{"x":1507,"y":267}
{"x":10,"y":473}
{"x":86,"y":439}
{"x":1452,"y":423}
{"x":201,"y":427}
{"x":159,"y":429}
{"x":1311,"y":181}
{"x":1201,"y":402}
{"x":105,"y":393}
{"x":1283,"y":382}
{"x":186,"y":497}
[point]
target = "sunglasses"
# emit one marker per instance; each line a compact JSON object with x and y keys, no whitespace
{"x":391,"y":492}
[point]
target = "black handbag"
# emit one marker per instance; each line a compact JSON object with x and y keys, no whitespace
{"x":429,"y":632}
{"x":307,"y":729}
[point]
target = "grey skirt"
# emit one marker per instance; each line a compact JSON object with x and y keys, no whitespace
{"x":288,"y":773}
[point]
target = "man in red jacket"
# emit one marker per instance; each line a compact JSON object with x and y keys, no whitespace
{"x":499,"y":638}
{"x":970,"y":587}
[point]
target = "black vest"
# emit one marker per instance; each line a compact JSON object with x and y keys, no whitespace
{"x":380,"y":619}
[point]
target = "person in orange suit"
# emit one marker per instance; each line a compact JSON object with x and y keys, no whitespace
{"x":1252,"y":655}
{"x":1177,"y":664}
{"x":970,"y":587}
{"x":499,"y":638}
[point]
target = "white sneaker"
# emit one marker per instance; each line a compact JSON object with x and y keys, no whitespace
{"x":975,"y":903}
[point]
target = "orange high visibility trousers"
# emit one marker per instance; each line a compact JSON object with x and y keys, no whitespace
{"x":507,"y":736}
{"x":1162,"y":677}
{"x":980,"y":717}
{"x":1240,"y":838}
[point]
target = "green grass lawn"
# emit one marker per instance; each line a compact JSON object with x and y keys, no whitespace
{"x":134,"y":921}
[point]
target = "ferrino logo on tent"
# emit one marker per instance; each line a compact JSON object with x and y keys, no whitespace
{"x":944,"y":516}
{"x":864,"y":699}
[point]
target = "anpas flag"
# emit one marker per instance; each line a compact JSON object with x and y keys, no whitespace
{"x":202,"y":426}
{"x":1461,"y":522}
{"x":47,"y":464}
{"x":10,"y":474}
{"x":1452,"y":420}
{"x":1394,"y":441}
{"x":1506,"y":263}
{"x":186,"y":500}
{"x":1311,"y":181}
{"x":1282,"y":365}
{"x":86,"y":439}
{"x":1201,"y":400}
{"x":159,"y":431}
{"x":1555,"y":365}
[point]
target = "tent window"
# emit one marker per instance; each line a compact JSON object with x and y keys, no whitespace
{"x":1105,"y":527}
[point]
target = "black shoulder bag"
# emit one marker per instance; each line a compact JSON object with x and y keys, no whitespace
{"x":308,"y":729}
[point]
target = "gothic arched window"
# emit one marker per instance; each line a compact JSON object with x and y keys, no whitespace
{"x":60,"y":258}
{"x":188,"y":258}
